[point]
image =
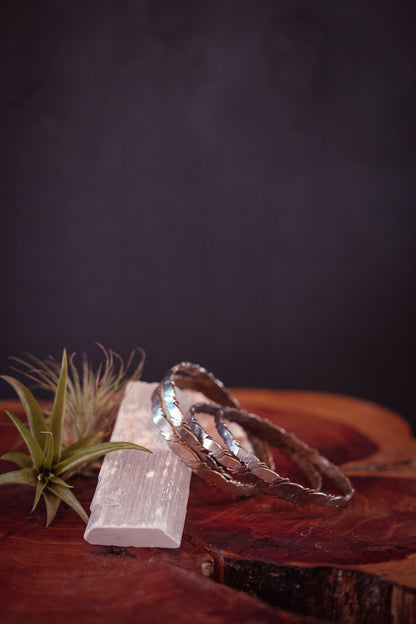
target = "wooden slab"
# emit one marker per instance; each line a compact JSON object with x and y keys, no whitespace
{"x":253,"y":560}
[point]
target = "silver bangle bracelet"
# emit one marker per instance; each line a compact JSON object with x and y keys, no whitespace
{"x":227,"y":464}
{"x":313,"y":465}
{"x":182,"y":434}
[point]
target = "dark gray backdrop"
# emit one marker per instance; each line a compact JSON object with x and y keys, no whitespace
{"x":229,"y":182}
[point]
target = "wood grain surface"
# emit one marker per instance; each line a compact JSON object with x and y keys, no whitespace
{"x":257,"y":560}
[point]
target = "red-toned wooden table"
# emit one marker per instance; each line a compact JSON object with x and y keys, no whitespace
{"x":258,"y":560}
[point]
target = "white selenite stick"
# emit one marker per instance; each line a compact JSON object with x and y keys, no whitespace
{"x":141,"y":498}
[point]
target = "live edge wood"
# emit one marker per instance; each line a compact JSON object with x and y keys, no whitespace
{"x":257,"y":560}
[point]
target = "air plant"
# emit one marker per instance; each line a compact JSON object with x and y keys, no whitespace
{"x":49,"y":462}
{"x":93,"y":396}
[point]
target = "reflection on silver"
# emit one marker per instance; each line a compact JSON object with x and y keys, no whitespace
{"x":226,"y":463}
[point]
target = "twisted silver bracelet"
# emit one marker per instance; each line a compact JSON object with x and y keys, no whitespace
{"x":228,"y":465}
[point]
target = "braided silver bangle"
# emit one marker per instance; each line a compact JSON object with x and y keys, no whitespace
{"x":229,"y":465}
{"x":313,"y":464}
{"x":187,"y":438}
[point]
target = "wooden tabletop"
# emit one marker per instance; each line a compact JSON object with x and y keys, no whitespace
{"x":257,"y":560}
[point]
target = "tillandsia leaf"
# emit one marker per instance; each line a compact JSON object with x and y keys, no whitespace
{"x":48,"y":449}
{"x":26,"y":476}
{"x":52,"y":503}
{"x":34,"y":414}
{"x":69,"y":498}
{"x":40,"y":487}
{"x":59,"y":481}
{"x":45,"y":373}
{"x":81,"y":444}
{"x":34,"y":449}
{"x":58,"y":411}
{"x":20,"y":459}
{"x":92,"y":452}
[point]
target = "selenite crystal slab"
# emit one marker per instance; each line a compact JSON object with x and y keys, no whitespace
{"x":141,"y":498}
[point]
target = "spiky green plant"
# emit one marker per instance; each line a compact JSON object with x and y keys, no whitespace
{"x":93,"y":396}
{"x":49,"y":464}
